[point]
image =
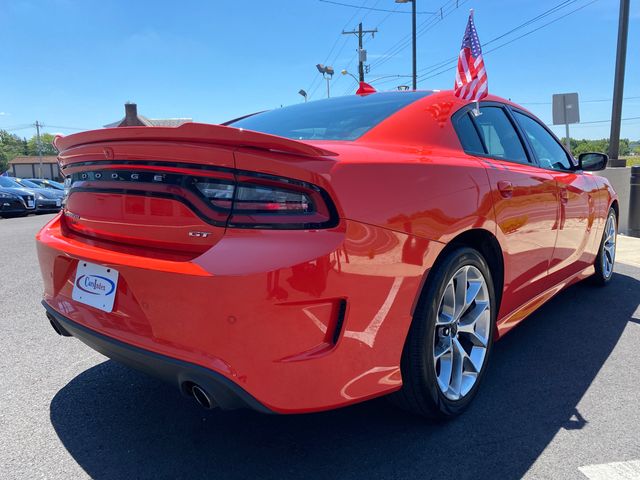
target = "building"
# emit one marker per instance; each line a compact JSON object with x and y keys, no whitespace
{"x":133,"y":119}
{"x":29,"y":167}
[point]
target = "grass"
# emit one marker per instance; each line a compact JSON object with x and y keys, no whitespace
{"x":631,"y":161}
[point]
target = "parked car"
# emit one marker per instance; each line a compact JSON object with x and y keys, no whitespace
{"x":46,"y":183}
{"x":15,"y":200}
{"x":47,"y":199}
{"x":325,"y":253}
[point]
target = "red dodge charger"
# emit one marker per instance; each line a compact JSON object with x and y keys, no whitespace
{"x":322,"y":254}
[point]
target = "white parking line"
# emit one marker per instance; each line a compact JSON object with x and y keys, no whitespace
{"x":613,"y":471}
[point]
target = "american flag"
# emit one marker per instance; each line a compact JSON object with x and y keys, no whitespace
{"x":471,"y":77}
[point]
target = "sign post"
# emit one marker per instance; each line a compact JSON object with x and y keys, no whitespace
{"x":566,"y":110}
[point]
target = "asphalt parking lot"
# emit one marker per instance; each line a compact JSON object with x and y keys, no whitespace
{"x":561,"y":395}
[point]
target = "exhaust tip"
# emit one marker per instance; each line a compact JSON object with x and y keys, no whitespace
{"x":57,"y":327}
{"x":201,"y":397}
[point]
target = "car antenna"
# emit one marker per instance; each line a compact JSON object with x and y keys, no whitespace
{"x":365,"y":89}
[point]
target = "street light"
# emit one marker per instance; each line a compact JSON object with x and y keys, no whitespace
{"x":345,"y":72}
{"x":413,"y":25}
{"x":327,"y":73}
{"x":304,"y":94}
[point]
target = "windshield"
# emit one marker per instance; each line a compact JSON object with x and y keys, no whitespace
{"x":8,"y":183}
{"x":54,"y":184}
{"x":47,"y":184}
{"x":340,"y":118}
{"x":28,"y":184}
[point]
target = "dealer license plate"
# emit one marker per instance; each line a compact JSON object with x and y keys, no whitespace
{"x":95,"y":285}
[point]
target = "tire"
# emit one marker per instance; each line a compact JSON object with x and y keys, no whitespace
{"x":421,"y":392}
{"x":605,"y":261}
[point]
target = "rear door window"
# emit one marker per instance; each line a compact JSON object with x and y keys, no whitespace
{"x":499,"y":135}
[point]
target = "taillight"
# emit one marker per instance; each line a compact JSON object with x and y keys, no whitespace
{"x":231,"y":198}
{"x":270,"y":202}
{"x":259,"y":199}
{"x":218,"y":193}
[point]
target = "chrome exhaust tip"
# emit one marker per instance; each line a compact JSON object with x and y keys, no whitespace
{"x":57,"y":327}
{"x":202,"y":397}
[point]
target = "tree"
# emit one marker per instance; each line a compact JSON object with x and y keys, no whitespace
{"x":602,"y":146}
{"x":46,"y":145}
{"x":4,"y":162}
{"x":11,"y":146}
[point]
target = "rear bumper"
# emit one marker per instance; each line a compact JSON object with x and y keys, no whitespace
{"x":226,"y":394}
{"x":300,"y":320}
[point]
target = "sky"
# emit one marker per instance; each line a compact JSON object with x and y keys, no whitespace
{"x":72,"y":65}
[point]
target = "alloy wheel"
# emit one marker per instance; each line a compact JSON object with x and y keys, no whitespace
{"x":609,"y":246}
{"x":462,"y":332}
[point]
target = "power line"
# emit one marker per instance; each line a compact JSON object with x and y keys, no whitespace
{"x":427,"y":26}
{"x":346,"y":40}
{"x":360,"y":33}
{"x":373,"y":9}
{"x":16,"y":127}
{"x":581,"y":101}
{"x":546,"y":13}
{"x":425,"y":77}
{"x":65,"y":128}
{"x":608,"y":121}
{"x":41,"y":125}
{"x":441,"y":64}
{"x":444,"y":11}
{"x":350,"y":87}
{"x":365,"y":40}
{"x":311,"y":90}
{"x":406,"y":40}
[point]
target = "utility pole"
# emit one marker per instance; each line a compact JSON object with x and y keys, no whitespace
{"x":38,"y":147}
{"x":362,"y":54}
{"x":414,"y":38}
{"x":413,"y":42}
{"x":618,"y":84}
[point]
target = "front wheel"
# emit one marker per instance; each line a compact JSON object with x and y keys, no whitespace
{"x":450,"y":339}
{"x":607,"y":253}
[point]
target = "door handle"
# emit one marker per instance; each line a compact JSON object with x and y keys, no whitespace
{"x":505,"y":188}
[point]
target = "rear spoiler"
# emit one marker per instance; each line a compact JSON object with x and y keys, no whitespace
{"x":193,"y":132}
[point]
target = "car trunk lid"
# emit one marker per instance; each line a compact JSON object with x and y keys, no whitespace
{"x":161,"y":188}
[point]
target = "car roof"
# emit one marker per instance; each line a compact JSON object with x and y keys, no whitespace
{"x":436,"y":129}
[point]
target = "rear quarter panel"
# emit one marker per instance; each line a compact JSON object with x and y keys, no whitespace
{"x":432,"y":196}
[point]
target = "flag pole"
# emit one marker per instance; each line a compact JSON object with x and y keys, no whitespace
{"x":471,"y":78}
{"x":476,"y":108}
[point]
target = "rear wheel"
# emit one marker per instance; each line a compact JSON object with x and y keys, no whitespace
{"x":607,"y":254}
{"x":450,"y":339}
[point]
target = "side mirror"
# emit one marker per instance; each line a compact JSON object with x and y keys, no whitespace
{"x":593,"y":162}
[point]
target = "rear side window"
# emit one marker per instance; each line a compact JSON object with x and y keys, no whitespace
{"x":499,"y":135}
{"x":339,"y":118}
{"x":468,"y":135}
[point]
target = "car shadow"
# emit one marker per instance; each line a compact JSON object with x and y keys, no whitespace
{"x":117,"y":423}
